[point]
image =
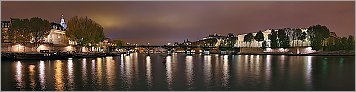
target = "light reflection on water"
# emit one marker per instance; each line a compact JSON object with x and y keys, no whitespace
{"x":32,"y":76}
{"x":189,"y":71}
{"x":84,"y":71}
{"x":308,"y":71}
{"x":99,"y":74}
{"x":148,"y":71}
{"x":207,"y":71}
{"x":58,"y":75}
{"x":128,"y":71}
{"x":110,"y":72}
{"x":42,"y":75}
{"x":93,"y":73}
{"x":268,"y":71}
{"x":19,"y":76}
{"x":169,"y":71}
{"x":70,"y":75}
{"x":181,"y":72}
{"x":225,"y":71}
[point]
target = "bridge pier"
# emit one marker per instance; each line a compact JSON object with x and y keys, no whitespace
{"x":188,"y":51}
{"x":128,"y":52}
{"x":206,"y":51}
{"x":169,"y":51}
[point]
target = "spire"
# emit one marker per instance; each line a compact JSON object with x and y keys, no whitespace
{"x":62,"y":23}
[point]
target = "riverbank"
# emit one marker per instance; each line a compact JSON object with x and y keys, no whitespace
{"x":321,"y":53}
{"x":61,"y":55}
{"x":51,"y":56}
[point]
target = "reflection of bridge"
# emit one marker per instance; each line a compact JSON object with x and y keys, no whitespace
{"x":186,"y":49}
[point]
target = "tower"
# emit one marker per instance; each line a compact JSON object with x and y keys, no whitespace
{"x":62,"y":23}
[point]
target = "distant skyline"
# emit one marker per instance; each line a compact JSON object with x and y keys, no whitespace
{"x":160,"y":22}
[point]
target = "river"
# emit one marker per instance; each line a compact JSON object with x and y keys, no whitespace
{"x":182,"y":72}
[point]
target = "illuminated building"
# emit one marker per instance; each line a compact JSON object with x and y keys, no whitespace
{"x":293,"y":43}
{"x":57,"y":35}
{"x":55,"y":41}
{"x":5,"y":25}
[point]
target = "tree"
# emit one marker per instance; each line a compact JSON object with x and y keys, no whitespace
{"x":296,"y":34}
{"x":264,"y":45}
{"x":283,"y":39}
{"x":259,"y":36}
{"x":25,"y":30}
{"x":210,"y":42}
{"x":343,"y":43}
{"x":274,"y":40}
{"x":317,"y":34}
{"x":248,"y":38}
{"x":18,"y":33}
{"x":302,"y":37}
{"x":351,"y":43}
{"x":85,"y":31}
{"x":39,"y":28}
{"x":230,"y":41}
{"x":119,"y":42}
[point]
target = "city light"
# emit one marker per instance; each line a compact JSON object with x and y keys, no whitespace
{"x":184,"y":46}
{"x":19,"y":48}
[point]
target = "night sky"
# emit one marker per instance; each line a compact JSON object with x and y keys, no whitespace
{"x":159,"y":22}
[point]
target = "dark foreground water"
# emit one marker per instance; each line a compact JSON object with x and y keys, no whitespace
{"x":181,"y":72}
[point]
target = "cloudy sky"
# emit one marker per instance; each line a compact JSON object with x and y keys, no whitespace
{"x":159,"y":22}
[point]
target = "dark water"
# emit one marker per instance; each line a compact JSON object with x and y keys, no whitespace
{"x":181,"y":72}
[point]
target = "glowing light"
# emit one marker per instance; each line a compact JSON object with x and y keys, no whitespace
{"x":84,"y":70}
{"x":70,"y":74}
{"x":148,"y":71}
{"x":308,"y":71}
{"x":42,"y":75}
{"x":189,"y":70}
{"x":42,"y":47}
{"x":169,"y":71}
{"x":69,"y":48}
{"x":99,"y":70}
{"x":207,"y":69}
{"x":19,"y":76}
{"x":309,"y":50}
{"x":226,"y":74}
{"x":32,"y":76}
{"x":268,"y":50}
{"x":58,"y":76}
{"x":18,"y":48}
{"x":110,"y":71}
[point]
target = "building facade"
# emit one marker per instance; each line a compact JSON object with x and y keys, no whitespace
{"x":5,"y":26}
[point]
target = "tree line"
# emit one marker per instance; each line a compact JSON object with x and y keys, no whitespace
{"x":317,"y":34}
{"x":29,"y":30}
{"x":83,"y":30}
